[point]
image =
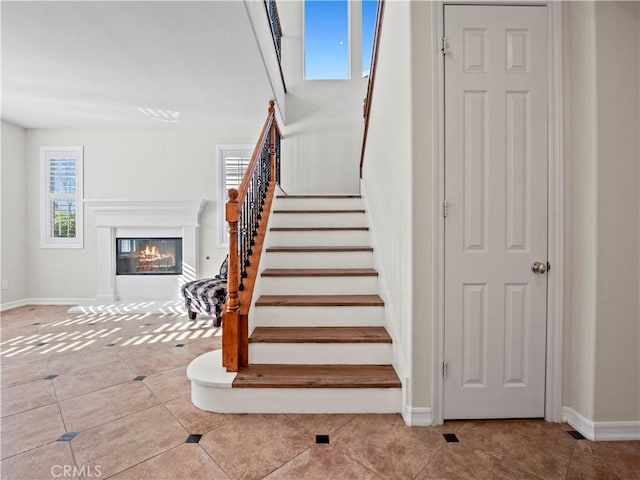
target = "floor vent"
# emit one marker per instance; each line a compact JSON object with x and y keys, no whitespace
{"x":193,"y":438}
{"x":575,"y":434}
{"x":450,"y":437}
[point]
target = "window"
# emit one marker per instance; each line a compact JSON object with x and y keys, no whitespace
{"x":326,"y":40}
{"x":61,"y":193}
{"x":369,"y":13}
{"x":233,"y":160}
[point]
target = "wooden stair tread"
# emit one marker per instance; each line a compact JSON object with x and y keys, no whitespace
{"x":312,"y":249}
{"x":319,"y":196}
{"x":316,"y":376}
{"x":320,"y":335}
{"x":319,"y":301}
{"x":319,"y":272}
{"x":305,"y":212}
{"x":318,"y":229}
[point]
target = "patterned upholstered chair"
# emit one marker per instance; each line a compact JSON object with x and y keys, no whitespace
{"x":207,"y":296}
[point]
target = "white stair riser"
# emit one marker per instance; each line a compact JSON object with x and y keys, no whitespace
{"x":318,"y":260}
{"x":319,"y":203}
{"x":296,"y":400}
{"x":317,"y":220}
{"x":319,"y":285}
{"x":319,"y":316}
{"x":320,"y":238}
{"x":321,"y":353}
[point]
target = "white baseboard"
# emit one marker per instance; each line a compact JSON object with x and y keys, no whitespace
{"x":42,"y":301}
{"x":417,"y":416}
{"x":14,"y":304}
{"x":601,"y":431}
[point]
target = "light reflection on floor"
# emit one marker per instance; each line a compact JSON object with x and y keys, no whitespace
{"x":123,"y":330}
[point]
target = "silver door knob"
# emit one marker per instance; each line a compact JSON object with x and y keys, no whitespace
{"x":539,"y":267}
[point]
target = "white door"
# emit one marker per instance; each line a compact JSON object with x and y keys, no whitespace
{"x":496,"y":224}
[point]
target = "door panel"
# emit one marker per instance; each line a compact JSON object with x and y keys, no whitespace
{"x":496,"y":190}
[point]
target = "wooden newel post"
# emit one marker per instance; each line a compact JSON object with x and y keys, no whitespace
{"x":231,"y":319}
{"x":272,"y":141}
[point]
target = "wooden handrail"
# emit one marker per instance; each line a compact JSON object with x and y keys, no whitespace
{"x":247,"y":213}
{"x":266,"y":130}
{"x":372,"y":79}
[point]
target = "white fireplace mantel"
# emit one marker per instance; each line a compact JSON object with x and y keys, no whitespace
{"x":128,"y":213}
{"x":139,"y":218}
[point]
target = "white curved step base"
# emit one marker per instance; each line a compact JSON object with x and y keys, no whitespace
{"x":297,"y":400}
{"x":211,"y":390}
{"x":207,"y":371}
{"x":321,"y":353}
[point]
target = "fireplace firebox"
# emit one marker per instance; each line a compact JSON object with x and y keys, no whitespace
{"x":149,"y":256}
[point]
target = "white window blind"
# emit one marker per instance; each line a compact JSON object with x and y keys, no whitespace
{"x":233,"y":160}
{"x":234,"y":167}
{"x":61,"y":210}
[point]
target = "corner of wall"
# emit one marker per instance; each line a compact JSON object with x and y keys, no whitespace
{"x":422,"y":161}
{"x":14,"y":211}
{"x":601,"y":431}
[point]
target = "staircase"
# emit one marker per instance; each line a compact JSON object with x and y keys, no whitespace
{"x":317,"y":342}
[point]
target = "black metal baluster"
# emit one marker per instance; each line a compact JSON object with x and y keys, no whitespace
{"x":276,"y":30}
{"x":277,"y":157}
{"x":264,"y":180}
{"x":247,"y":233}
{"x":254,"y":217}
{"x":241,"y":248}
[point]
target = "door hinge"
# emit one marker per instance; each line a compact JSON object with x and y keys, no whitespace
{"x":445,"y":209}
{"x":444,"y":369}
{"x":444,"y":46}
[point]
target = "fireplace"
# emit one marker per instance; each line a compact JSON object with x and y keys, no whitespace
{"x":137,"y":220}
{"x":148,"y":256}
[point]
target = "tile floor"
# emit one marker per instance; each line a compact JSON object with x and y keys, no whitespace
{"x":106,"y":396}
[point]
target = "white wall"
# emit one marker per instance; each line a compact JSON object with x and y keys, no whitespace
{"x":261,"y":28}
{"x":581,"y":172}
{"x":323,"y":134}
{"x":601,"y":52}
{"x":618,"y":105}
{"x":397,"y":185}
{"x":422,"y":57}
{"x":141,"y":164}
{"x":602,"y":318}
{"x":14,"y":212}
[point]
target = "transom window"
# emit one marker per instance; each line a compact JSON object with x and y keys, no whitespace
{"x":369,"y":13}
{"x":326,"y":40}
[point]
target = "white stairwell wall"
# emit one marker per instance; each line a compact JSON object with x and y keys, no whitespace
{"x":211,"y":385}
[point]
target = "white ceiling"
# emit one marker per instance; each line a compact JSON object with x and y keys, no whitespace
{"x":94,"y":64}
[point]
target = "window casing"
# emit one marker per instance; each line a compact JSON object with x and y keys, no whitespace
{"x":61,"y":191}
{"x":232,"y":163}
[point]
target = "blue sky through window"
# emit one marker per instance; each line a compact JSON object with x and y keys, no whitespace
{"x":326,"y":37}
{"x":369,"y":10}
